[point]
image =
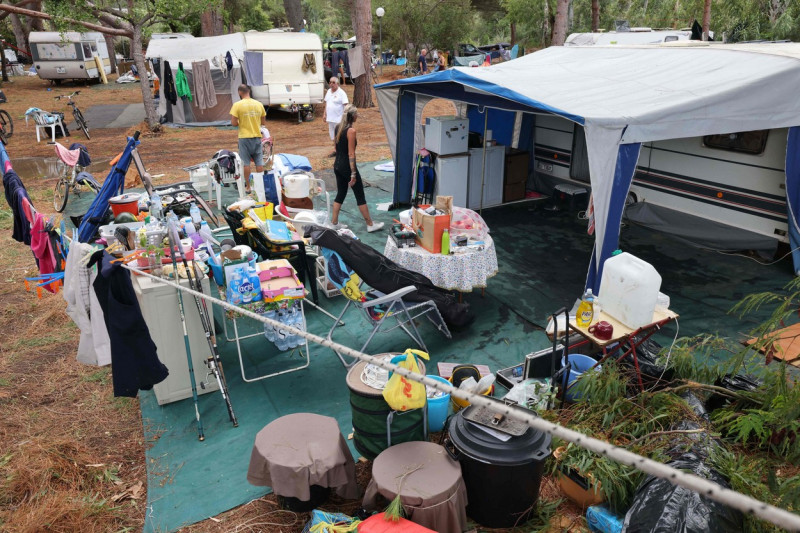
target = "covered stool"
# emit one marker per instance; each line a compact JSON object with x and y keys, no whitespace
{"x":300,"y":453}
{"x":428,"y":481}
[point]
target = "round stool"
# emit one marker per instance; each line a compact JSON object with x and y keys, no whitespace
{"x":295,"y":453}
{"x":428,"y":481}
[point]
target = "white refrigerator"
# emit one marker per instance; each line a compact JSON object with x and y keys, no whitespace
{"x":452,"y":177}
{"x":492,"y":181}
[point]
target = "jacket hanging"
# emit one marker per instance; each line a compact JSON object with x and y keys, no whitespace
{"x":170,"y":92}
{"x":182,"y":84}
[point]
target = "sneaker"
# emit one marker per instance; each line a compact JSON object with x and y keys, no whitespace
{"x":336,"y":226}
{"x":374,"y":227}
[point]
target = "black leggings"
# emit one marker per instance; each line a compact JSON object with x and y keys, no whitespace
{"x":342,"y":184}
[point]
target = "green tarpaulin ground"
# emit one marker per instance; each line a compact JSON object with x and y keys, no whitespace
{"x":543,"y":258}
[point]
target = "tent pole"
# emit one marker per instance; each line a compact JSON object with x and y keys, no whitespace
{"x":483,"y":161}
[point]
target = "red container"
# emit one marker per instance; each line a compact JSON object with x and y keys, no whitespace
{"x":125,"y":203}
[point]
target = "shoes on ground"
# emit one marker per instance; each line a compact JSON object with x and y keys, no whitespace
{"x":336,"y":226}
{"x":374,"y":227}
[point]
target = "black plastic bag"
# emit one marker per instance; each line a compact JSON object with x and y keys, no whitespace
{"x":737,"y":383}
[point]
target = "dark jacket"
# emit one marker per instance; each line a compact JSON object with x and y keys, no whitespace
{"x":15,"y":192}
{"x":170,"y":93}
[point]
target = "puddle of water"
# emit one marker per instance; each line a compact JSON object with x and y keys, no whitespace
{"x":30,"y":168}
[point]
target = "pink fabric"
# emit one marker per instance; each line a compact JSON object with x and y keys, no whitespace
{"x":70,"y":157}
{"x":42,"y":249}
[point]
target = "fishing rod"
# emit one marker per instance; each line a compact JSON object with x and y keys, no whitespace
{"x":214,"y":362}
{"x":200,"y":434}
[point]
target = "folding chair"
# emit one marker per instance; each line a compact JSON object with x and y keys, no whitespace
{"x":378,"y":307}
{"x":44,"y":120}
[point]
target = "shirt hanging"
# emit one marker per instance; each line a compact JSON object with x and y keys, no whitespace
{"x":355,"y":57}
{"x":203,"y":84}
{"x":182,"y":84}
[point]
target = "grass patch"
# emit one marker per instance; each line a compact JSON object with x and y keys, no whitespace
{"x":99,"y":376}
{"x":37,"y":342}
{"x":6,"y":219}
{"x":5,"y":382}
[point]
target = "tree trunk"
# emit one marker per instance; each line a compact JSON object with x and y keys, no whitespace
{"x":211,"y":23}
{"x":19,"y":32}
{"x":294,"y":14}
{"x":595,"y":15}
{"x":147,"y":94}
{"x":513,"y":34}
{"x":546,"y":31}
{"x":560,"y":25}
{"x":362,"y":24}
{"x":706,"y":19}
{"x":112,"y":54}
{"x":3,"y":61}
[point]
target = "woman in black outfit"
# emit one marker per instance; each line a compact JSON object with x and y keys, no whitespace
{"x":344,"y":167}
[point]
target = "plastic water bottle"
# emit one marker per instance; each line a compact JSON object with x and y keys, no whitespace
{"x":269,"y":329}
{"x":298,"y":323}
{"x":234,"y":293}
{"x":155,"y":207}
{"x":256,"y":283}
{"x":583,"y":318}
{"x":446,"y":242}
{"x":205,"y":232}
{"x":188,"y":226}
{"x":194,"y":211}
{"x":281,"y":334}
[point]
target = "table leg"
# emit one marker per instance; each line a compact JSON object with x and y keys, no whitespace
{"x":483,"y":292}
{"x":460,"y":297}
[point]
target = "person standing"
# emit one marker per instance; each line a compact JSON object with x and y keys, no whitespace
{"x":422,"y":62}
{"x":346,"y":171}
{"x":335,"y":100}
{"x":249,"y":115}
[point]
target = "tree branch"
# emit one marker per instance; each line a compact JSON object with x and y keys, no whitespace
{"x":18,"y":4}
{"x":88,"y":25}
{"x":668,"y":432}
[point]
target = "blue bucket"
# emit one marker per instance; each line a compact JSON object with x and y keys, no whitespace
{"x":217,"y":272}
{"x":438,"y":408}
{"x":580,"y":364}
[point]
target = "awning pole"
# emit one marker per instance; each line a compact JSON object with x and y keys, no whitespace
{"x":483,"y":162}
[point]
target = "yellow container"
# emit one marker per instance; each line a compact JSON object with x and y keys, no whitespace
{"x":264,"y":211}
{"x":459,"y":404}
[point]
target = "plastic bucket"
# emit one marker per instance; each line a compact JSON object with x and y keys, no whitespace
{"x":125,"y":203}
{"x":580,"y":364}
{"x":438,"y":408}
{"x":216,"y":271}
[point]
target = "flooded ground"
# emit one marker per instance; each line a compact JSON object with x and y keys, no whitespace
{"x":30,"y":168}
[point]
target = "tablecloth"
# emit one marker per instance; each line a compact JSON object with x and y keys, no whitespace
{"x":296,"y":451}
{"x":431,"y":488}
{"x":460,"y":272}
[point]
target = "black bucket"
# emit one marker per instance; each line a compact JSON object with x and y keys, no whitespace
{"x":502,"y":478}
{"x":319,"y":495}
{"x":370,"y":410}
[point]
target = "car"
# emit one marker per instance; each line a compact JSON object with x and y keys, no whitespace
{"x":466,"y":49}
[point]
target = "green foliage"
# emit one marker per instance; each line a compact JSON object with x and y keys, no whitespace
{"x":413,"y":24}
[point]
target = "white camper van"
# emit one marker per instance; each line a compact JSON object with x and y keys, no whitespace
{"x":69,"y":56}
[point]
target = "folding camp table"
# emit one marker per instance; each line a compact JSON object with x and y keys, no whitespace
{"x":625,"y":335}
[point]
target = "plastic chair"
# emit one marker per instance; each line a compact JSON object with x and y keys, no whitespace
{"x":378,"y":307}
{"x":222,"y":177}
{"x":514,"y":52}
{"x":45,"y":120}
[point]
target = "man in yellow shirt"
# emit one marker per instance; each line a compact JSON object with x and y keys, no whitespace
{"x":249,"y":115}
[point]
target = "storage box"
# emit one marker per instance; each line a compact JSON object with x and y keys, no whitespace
{"x":429,"y":228}
{"x":513,"y":192}
{"x":279,"y":281}
{"x":447,"y":135}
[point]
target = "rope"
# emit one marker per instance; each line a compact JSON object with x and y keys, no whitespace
{"x":712,"y":491}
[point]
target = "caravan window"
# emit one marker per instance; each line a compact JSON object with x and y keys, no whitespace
{"x":746,"y":142}
{"x":57,"y":51}
{"x":87,"y":50}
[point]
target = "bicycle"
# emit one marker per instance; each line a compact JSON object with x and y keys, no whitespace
{"x":73,"y":178}
{"x":410,"y":71}
{"x":76,"y":113}
{"x":6,"y":124}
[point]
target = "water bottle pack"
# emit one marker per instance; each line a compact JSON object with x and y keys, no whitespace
{"x":283,"y":338}
{"x":244,"y":287}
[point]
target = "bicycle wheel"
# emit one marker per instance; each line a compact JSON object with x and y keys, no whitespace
{"x":374,"y":76}
{"x":81,"y":122}
{"x":61,"y":194}
{"x":3,"y":136}
{"x":6,"y":123}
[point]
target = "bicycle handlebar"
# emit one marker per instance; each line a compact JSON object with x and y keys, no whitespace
{"x":68,"y":96}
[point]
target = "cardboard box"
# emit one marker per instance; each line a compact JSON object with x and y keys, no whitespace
{"x":513,"y":192}
{"x":279,"y":281}
{"x":429,"y":228}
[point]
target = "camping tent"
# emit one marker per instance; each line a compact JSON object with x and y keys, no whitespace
{"x":226,"y":83}
{"x":623,"y":96}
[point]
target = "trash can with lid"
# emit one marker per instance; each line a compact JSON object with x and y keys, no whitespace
{"x":502,"y":477}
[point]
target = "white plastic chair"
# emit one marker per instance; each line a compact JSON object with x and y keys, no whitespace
{"x":224,"y":177}
{"x":200,"y":176}
{"x":46,"y":120}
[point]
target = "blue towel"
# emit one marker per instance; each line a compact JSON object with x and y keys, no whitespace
{"x":254,"y":68}
{"x":295,"y":162}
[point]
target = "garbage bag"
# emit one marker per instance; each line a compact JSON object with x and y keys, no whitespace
{"x":649,"y":364}
{"x":661,"y":507}
{"x":737,"y":383}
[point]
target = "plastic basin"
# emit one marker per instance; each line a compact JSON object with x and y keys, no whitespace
{"x":580,"y":364}
{"x":438,"y":408}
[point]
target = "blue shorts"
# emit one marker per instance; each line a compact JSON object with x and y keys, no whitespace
{"x":250,"y":149}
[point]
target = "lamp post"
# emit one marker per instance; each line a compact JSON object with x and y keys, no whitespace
{"x":380,"y":12}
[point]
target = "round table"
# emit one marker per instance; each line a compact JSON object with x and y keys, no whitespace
{"x":429,"y":482}
{"x":296,"y":451}
{"x":458,"y":271}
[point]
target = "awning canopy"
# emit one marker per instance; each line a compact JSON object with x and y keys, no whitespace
{"x":621,"y":95}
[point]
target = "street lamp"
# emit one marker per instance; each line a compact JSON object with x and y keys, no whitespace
{"x":380,"y":12}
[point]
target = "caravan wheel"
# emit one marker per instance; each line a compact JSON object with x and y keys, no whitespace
{"x":631,"y":199}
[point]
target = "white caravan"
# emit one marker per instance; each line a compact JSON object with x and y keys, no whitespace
{"x":735,"y":179}
{"x":69,"y":56}
{"x":635,"y":36}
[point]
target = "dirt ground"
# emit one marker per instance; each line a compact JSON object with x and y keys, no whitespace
{"x":71,"y":455}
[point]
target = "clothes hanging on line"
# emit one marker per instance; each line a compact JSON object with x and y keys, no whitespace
{"x":134,"y":358}
{"x":170,"y":92}
{"x":203,"y":84}
{"x":355,"y":59}
{"x":16,"y":195}
{"x":182,"y":84}
{"x":254,"y":68}
{"x":94,"y":347}
{"x":42,"y":248}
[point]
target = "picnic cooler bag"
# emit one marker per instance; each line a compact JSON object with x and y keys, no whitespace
{"x":369,"y":412}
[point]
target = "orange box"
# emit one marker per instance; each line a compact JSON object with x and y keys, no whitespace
{"x":429,"y":228}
